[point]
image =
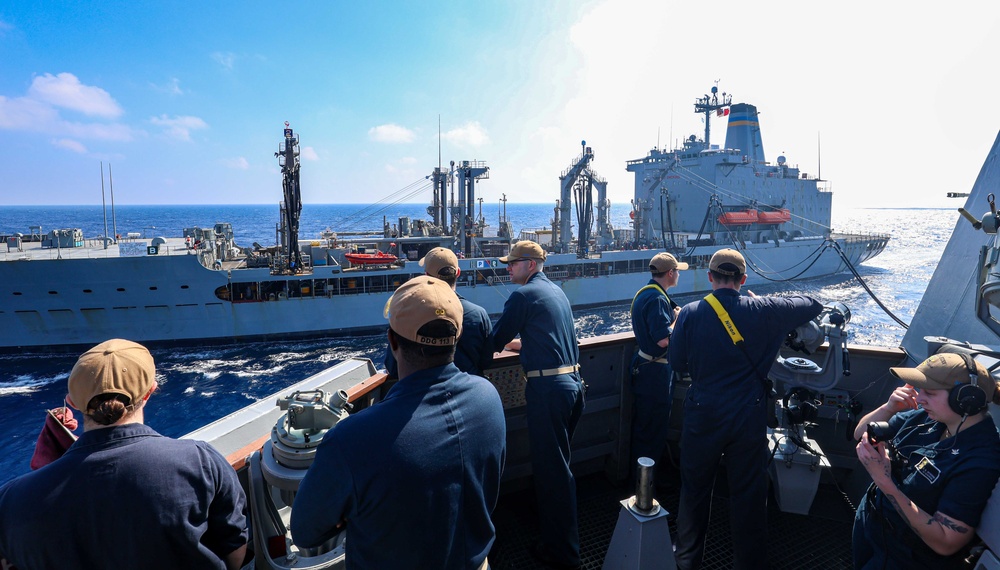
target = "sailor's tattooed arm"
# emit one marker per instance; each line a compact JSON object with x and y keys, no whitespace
{"x":946,"y":537}
{"x":948,"y":523}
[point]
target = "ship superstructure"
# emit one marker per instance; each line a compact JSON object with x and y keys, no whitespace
{"x":64,"y":293}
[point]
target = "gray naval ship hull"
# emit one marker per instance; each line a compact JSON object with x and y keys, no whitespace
{"x":690,"y":201}
{"x":53,"y":304}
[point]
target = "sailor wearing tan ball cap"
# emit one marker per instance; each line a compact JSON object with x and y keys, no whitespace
{"x":653,"y":314}
{"x":540,"y":313}
{"x":475,"y":349}
{"x":128,"y":497}
{"x":933,"y":454}
{"x":415,"y":477}
{"x":725,"y":409}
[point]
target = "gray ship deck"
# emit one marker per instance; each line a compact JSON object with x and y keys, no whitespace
{"x":820,"y":541}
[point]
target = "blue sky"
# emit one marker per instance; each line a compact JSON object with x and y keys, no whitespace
{"x":188,"y":104}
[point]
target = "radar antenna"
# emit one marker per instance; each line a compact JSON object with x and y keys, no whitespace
{"x":710,"y":103}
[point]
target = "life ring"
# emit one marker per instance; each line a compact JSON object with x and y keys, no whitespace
{"x":631,"y":214}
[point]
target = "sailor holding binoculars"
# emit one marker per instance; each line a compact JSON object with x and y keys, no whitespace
{"x":934,"y":470}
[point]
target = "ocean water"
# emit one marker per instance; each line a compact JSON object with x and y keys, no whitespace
{"x":199,"y":385}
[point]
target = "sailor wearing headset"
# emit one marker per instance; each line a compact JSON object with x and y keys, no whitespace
{"x":934,"y":463}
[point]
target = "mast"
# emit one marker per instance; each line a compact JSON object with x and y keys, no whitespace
{"x":709,"y":103}
{"x":114,"y":218}
{"x":288,"y":160}
{"x":104,"y":207}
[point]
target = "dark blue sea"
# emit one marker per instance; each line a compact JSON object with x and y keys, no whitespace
{"x":200,"y":385}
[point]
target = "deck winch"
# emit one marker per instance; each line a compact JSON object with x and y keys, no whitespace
{"x":276,"y":472}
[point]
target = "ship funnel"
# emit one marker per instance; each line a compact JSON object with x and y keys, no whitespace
{"x":743,"y":132}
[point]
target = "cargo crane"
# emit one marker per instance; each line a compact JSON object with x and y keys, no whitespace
{"x":291,"y":208}
{"x":577,"y":184}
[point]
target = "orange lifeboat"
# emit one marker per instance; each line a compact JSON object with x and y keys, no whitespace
{"x":779,"y":216}
{"x":740,"y":218}
{"x":377,"y":258}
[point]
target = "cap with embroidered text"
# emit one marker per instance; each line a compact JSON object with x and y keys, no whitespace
{"x":942,"y":372}
{"x":420,"y":301}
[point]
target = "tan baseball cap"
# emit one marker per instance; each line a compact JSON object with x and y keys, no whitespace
{"x":663,"y":262}
{"x":115,"y":366}
{"x":437,"y":259}
{"x":943,"y":371}
{"x":420,"y":301}
{"x":524,"y":250}
{"x":730,"y":257}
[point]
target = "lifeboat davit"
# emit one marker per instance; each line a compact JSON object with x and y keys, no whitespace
{"x":739,"y":218}
{"x":377,"y":258}
{"x":779,"y":216}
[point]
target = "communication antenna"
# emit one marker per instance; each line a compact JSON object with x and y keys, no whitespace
{"x":819,"y":157}
{"x":114,"y":218}
{"x":104,"y":207}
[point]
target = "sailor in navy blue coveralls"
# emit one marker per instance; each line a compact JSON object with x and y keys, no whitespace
{"x":417,"y":475}
{"x":725,"y":412}
{"x":540,"y":312}
{"x":949,"y":478}
{"x":475,"y":350}
{"x":653,"y":314}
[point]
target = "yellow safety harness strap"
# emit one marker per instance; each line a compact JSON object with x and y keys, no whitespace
{"x":727,"y":322}
{"x":650,"y":286}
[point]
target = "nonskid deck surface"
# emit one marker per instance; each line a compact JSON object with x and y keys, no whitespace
{"x":820,"y":541}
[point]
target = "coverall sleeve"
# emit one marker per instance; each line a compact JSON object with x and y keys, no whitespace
{"x":325,"y":496}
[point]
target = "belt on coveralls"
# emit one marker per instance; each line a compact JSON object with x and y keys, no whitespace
{"x":552,"y":371}
{"x":651,"y":358}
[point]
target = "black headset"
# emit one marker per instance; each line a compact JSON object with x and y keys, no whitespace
{"x":967,"y":399}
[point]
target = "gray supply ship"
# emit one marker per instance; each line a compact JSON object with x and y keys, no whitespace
{"x":64,"y":292}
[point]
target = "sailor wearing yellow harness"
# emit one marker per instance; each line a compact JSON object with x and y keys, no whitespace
{"x":653,"y":314}
{"x":728,"y":349}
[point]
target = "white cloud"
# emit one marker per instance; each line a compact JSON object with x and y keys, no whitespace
{"x":179,"y":127}
{"x":308,"y":153}
{"x":471,"y":134}
{"x":391,"y":133}
{"x":65,"y":90}
{"x":70,"y":144}
{"x":408,"y":160}
{"x":239,"y":163}
{"x":225,"y":59}
{"x":173,"y":87}
{"x":30,"y":115}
